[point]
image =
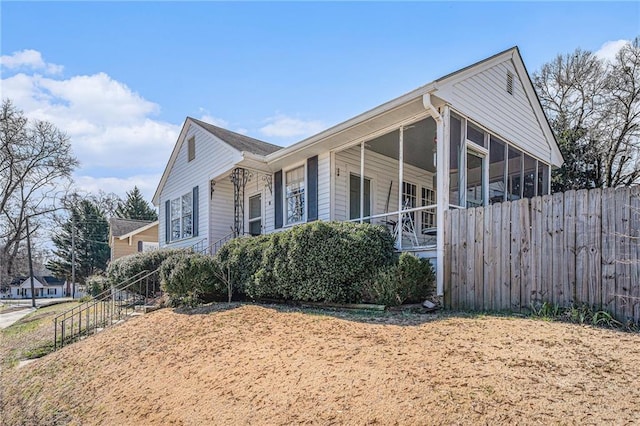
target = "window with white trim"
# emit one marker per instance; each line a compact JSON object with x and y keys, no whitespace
{"x":182,"y":217}
{"x":409,"y":197}
{"x":295,"y":195}
{"x":428,"y":216}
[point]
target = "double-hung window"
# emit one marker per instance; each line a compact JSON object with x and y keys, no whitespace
{"x":295,"y":195}
{"x":182,"y":217}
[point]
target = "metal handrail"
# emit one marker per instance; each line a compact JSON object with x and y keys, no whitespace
{"x":104,"y":311}
{"x":213,"y":248}
{"x":101,"y":296}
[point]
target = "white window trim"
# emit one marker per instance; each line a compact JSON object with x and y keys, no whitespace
{"x":181,"y":217}
{"x":285,"y":212}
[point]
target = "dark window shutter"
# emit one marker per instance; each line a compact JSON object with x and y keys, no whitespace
{"x":312,"y":184}
{"x":196,"y":218}
{"x":167,"y":221}
{"x":277,"y":198}
{"x":139,"y":246}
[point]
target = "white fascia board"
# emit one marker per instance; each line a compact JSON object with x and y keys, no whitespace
{"x":338,"y":128}
{"x":139,"y":230}
{"x":176,"y":149}
{"x":556,"y":156}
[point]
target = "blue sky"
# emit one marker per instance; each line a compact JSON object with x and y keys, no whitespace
{"x":120,"y":77}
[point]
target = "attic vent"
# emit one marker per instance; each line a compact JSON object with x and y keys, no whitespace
{"x":510,"y":82}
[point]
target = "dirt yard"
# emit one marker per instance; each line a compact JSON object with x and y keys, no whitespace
{"x":262,"y":365}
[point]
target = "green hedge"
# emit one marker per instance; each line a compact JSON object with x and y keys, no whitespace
{"x":190,"y":278}
{"x":120,"y":271}
{"x":321,"y":262}
{"x":240,"y":259}
{"x":410,"y":280}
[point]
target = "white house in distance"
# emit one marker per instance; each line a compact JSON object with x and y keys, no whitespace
{"x":44,"y":287}
{"x":471,"y":138}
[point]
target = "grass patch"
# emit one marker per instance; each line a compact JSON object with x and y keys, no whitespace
{"x":30,"y":337}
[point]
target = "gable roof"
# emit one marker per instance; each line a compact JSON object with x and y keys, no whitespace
{"x":44,"y":280}
{"x":238,"y":141}
{"x":119,"y":227}
{"x":512,"y":53}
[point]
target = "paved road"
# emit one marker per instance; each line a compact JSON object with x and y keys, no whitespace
{"x":6,"y":319}
{"x":9,"y":318}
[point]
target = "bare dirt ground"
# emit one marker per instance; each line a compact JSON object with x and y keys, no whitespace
{"x":263,"y":365}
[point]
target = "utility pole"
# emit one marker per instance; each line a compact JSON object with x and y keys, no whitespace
{"x":33,"y":294}
{"x":73,"y":255}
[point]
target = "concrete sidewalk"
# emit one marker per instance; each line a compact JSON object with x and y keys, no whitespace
{"x":6,"y":319}
{"x":11,"y":317}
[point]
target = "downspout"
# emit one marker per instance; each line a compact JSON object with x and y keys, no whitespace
{"x":442,"y":189}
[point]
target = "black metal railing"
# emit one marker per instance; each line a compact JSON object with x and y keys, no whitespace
{"x":213,"y":248}
{"x":107,"y":308}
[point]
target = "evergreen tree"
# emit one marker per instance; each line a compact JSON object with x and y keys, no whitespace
{"x":91,"y":242}
{"x":135,"y":207}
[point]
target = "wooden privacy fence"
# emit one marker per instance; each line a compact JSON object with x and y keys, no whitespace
{"x":577,"y":247}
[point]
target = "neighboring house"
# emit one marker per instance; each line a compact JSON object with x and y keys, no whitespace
{"x":128,"y":236}
{"x":44,"y":287}
{"x":471,"y":138}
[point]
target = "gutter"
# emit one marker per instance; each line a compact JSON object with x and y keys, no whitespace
{"x":345,"y":125}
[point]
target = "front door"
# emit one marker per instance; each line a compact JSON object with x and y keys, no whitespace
{"x":255,"y":214}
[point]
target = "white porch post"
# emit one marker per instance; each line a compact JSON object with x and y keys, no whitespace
{"x":362,"y":180}
{"x":442,"y":176}
{"x":400,"y":178}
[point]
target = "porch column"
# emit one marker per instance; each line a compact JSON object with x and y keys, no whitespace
{"x":442,"y":184}
{"x":362,"y":180}
{"x":400,"y":180}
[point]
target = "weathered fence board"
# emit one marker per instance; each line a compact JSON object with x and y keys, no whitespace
{"x":578,"y":247}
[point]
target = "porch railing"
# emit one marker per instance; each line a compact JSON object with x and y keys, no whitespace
{"x":108,"y":308}
{"x":413,"y":232}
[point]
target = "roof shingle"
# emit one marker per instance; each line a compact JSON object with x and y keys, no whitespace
{"x":120,"y":227}
{"x":238,"y":141}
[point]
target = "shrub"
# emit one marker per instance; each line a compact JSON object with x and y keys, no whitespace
{"x":322,"y":262}
{"x":189,"y":278}
{"x":121,"y":271}
{"x":411,"y":279}
{"x":96,"y":284}
{"x":240,"y":258}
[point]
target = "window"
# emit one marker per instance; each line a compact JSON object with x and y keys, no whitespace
{"x":191,"y":148}
{"x":354,"y":197}
{"x":476,"y":135}
{"x":255,"y":214}
{"x":529,"y":177}
{"x":514,"y":177}
{"x":181,"y":217}
{"x":295,"y":195}
{"x":428,"y":216}
{"x":409,"y":197}
{"x":454,"y":160}
{"x":543,"y":179}
{"x":497,"y":171}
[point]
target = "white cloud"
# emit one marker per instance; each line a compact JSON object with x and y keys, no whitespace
{"x":120,"y":186}
{"x":215,"y":121}
{"x":30,"y":59}
{"x":288,"y":127}
{"x":110,"y":126}
{"x":609,"y":49}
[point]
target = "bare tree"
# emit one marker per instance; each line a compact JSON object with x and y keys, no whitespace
{"x":36,"y":163}
{"x":594,"y":110}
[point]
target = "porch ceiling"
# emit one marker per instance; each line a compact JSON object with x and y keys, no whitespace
{"x":418,"y":144}
{"x":359,"y":131}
